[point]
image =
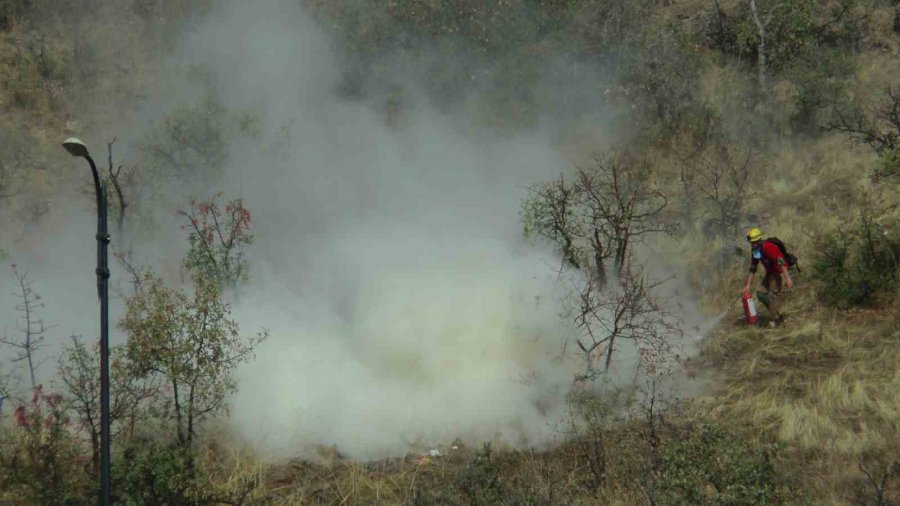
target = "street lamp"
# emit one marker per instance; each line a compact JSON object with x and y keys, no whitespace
{"x":77,"y":148}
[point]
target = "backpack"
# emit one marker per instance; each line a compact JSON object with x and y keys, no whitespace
{"x":789,"y":258}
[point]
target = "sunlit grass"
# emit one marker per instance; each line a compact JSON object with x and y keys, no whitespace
{"x":827,"y":386}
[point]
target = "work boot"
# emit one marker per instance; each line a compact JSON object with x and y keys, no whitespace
{"x":776,"y":322}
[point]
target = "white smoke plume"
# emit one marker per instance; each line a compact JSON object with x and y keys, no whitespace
{"x":388,"y":265}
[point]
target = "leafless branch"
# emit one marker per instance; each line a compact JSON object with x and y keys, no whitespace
{"x":31,"y":327}
{"x":877,"y":127}
{"x":117,"y":185}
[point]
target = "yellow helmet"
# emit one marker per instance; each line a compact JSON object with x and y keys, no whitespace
{"x":754,"y":234}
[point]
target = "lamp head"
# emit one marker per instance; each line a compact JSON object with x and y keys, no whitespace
{"x":75,"y":147}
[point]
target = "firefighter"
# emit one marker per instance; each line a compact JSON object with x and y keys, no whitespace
{"x":777,"y":275}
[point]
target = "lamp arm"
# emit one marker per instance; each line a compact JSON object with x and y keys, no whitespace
{"x":96,"y":178}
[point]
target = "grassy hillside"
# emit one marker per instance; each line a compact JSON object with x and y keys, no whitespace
{"x":807,"y":147}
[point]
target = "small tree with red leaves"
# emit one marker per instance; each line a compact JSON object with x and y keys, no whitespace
{"x":218,"y":234}
{"x":43,"y":456}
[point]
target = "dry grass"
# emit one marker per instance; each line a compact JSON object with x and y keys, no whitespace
{"x":556,"y":476}
{"x":827,"y":386}
{"x":236,"y":469}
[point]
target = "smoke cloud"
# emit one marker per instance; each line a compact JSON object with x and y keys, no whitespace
{"x":402,"y":304}
{"x":404,"y":307}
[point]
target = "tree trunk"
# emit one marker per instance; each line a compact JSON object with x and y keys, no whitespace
{"x":181,"y":436}
{"x":621,"y":253}
{"x":761,"y":50}
{"x":114,"y":177}
{"x":95,"y":443}
{"x":897,"y":21}
{"x":29,"y":348}
{"x":609,"y":353}
{"x":600,"y":275}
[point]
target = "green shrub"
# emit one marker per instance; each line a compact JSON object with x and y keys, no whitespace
{"x":189,"y":346}
{"x":663,"y":78}
{"x":711,"y":466}
{"x":820,"y":81}
{"x":10,"y":11}
{"x":188,"y":147}
{"x":189,"y":144}
{"x":808,"y":44}
{"x":155,"y":472}
{"x":794,"y":28}
{"x":591,"y":422}
{"x":857,"y":263}
{"x":478,"y":484}
{"x":481,"y":483}
{"x":887,"y":168}
{"x":809,"y":54}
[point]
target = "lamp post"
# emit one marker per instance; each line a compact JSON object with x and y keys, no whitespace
{"x":77,"y":148}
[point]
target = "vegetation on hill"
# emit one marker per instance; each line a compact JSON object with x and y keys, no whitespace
{"x":730,"y":114}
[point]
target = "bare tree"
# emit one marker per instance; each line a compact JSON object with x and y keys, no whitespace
{"x":622,"y":207}
{"x":624,"y":311}
{"x":116,"y":178}
{"x":722,"y":179}
{"x":878,"y":474}
{"x":31,"y":328}
{"x":121,"y":181}
{"x":597,"y":220}
{"x":599,"y":216}
{"x":877,"y":127}
{"x":550,"y":211}
{"x":136,"y":273}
